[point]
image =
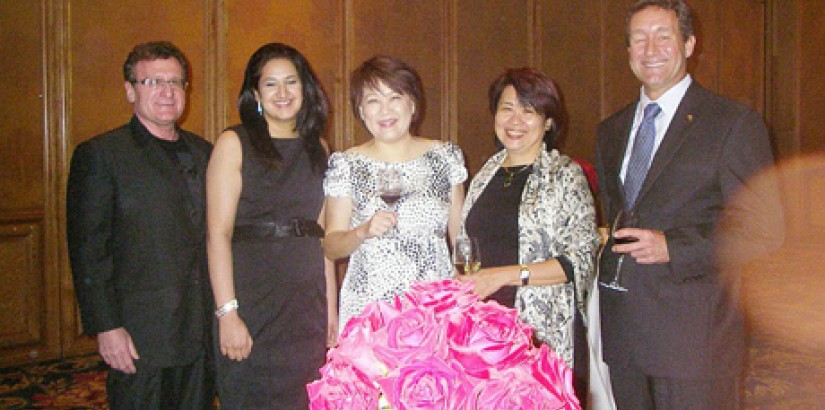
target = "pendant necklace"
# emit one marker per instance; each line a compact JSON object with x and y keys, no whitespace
{"x":508,"y":180}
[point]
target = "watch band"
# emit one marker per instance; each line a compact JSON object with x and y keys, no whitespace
{"x":524,"y":275}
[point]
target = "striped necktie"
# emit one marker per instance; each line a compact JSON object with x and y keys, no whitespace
{"x":640,"y":157}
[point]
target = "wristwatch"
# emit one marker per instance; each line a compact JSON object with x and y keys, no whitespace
{"x":524,"y":275}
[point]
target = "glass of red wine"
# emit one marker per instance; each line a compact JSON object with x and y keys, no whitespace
{"x":624,"y":219}
{"x":390,"y":186}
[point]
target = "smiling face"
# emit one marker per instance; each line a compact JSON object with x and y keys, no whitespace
{"x":387,"y":114}
{"x":519,"y":127}
{"x":280,"y":92}
{"x":657,"y":51}
{"x":158,"y":108}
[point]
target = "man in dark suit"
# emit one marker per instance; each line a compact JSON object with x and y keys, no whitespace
{"x":136,"y":235}
{"x":672,"y":332}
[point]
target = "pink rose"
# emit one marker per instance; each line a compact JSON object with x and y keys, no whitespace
{"x":556,"y":377}
{"x":375,"y":316}
{"x":489,"y":336}
{"x":514,"y":388}
{"x":414,"y":331}
{"x":424,"y":384}
{"x":442,"y":297}
{"x":342,"y":388}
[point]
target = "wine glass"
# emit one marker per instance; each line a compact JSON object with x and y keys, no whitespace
{"x":624,"y":219}
{"x":390,"y":187}
{"x":466,"y":257}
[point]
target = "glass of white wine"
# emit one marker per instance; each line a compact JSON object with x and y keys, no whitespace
{"x":466,"y":257}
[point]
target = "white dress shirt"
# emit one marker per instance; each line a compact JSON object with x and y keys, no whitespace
{"x":668,"y":102}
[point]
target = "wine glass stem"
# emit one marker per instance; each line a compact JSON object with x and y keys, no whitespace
{"x":618,"y":269}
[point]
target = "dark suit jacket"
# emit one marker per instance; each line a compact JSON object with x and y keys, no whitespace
{"x":680,"y":319}
{"x":137,"y":243}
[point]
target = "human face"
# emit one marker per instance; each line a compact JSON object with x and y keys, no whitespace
{"x":658,"y":54}
{"x":280,"y":91}
{"x":519,"y":127}
{"x":159,"y":107}
{"x":386,"y":113}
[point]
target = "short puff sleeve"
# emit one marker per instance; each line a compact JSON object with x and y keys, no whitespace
{"x":455,"y":159}
{"x":338,"y":181}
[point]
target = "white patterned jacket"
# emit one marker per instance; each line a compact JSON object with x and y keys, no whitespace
{"x":556,"y":217}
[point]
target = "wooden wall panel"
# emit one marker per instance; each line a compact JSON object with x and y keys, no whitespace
{"x":571,"y":54}
{"x":795,"y":111}
{"x":103,"y":33}
{"x":414,"y":31}
{"x":811,"y":49}
{"x":28,"y":306}
{"x":490,"y":39}
{"x":22,"y":110}
{"x":27,"y":320}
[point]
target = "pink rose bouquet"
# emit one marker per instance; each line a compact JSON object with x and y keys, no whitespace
{"x":439,"y":347}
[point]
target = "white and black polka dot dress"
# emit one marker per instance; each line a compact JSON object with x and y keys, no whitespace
{"x":416,"y":250}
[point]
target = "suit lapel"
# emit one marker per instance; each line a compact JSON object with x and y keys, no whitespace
{"x":616,"y":150}
{"x":677,"y":133}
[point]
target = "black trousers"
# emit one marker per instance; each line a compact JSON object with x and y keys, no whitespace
{"x":188,"y":387}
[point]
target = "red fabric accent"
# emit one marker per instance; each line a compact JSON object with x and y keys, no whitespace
{"x":590,"y":173}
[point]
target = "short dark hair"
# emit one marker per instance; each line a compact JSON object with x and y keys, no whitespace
{"x":682,"y":10}
{"x":153,"y":50}
{"x":396,"y":75}
{"x":311,"y":119}
{"x":536,"y":90}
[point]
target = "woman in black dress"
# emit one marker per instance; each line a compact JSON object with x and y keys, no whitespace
{"x":531,"y":209}
{"x":274,"y":291}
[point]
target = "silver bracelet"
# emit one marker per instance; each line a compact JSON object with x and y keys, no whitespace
{"x":227,"y":307}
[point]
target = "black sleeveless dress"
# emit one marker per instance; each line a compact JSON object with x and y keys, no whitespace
{"x":279,"y":284}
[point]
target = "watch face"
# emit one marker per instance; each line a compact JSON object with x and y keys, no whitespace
{"x":524,"y":275}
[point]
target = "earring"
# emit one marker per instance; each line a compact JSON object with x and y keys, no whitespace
{"x":260,"y":109}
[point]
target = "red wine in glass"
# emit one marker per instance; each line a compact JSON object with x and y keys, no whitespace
{"x":624,"y":219}
{"x":390,"y":186}
{"x":626,"y":240}
{"x":390,"y":198}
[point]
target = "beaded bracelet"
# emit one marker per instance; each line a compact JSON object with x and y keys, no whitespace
{"x":227,"y":307}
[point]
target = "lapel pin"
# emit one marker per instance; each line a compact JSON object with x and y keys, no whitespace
{"x":690,"y":117}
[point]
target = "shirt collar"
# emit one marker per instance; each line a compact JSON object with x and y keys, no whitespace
{"x":669,"y":101}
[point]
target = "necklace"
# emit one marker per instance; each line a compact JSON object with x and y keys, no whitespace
{"x":508,"y":180}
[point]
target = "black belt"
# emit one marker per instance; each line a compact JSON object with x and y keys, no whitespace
{"x":294,"y":227}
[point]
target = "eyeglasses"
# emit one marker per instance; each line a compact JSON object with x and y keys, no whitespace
{"x":157,"y":83}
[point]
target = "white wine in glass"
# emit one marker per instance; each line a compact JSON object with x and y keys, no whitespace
{"x":466,"y":257}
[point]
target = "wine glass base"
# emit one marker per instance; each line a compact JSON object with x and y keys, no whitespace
{"x":613,"y":286}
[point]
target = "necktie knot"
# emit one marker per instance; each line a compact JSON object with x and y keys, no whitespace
{"x":651,"y":111}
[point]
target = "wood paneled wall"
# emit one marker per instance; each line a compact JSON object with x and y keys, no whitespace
{"x":62,"y":83}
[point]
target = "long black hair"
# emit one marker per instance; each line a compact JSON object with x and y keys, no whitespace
{"x":311,"y":119}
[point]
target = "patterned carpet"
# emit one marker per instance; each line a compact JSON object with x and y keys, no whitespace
{"x":72,"y":384}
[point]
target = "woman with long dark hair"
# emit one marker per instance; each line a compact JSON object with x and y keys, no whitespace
{"x":274,"y":290}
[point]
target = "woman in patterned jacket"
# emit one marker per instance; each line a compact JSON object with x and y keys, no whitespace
{"x":532,"y":212}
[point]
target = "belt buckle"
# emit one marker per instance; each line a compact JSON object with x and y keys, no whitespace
{"x":297,"y":227}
